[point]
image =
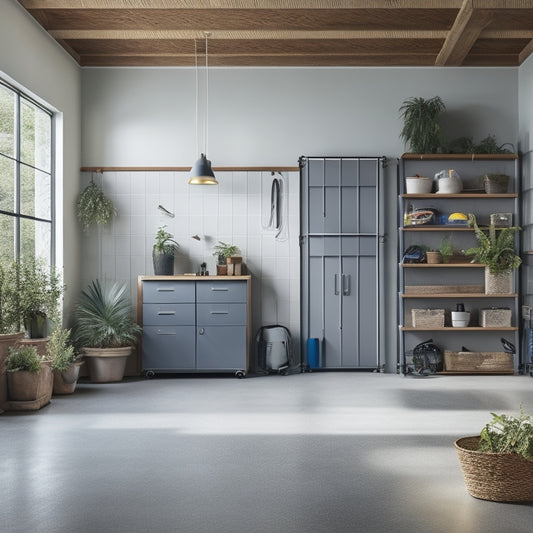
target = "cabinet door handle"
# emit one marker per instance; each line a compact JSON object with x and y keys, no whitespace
{"x":335,"y":289}
{"x":215,"y":289}
{"x":201,"y":331}
{"x":164,"y":289}
{"x":163,"y":332}
{"x":160,"y":313}
{"x":346,"y":284}
{"x":219,"y":312}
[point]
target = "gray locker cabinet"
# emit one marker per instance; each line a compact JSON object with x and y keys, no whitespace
{"x":340,"y":252}
{"x":195,"y":324}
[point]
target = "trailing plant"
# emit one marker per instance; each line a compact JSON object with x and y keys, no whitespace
{"x":508,"y":434}
{"x":421,"y":128}
{"x":94,"y":207}
{"x":164,"y":242}
{"x":23,"y":358}
{"x":223,"y":250}
{"x":103,"y":314}
{"x":60,"y":351}
{"x":496,"y":248}
{"x":488,"y":145}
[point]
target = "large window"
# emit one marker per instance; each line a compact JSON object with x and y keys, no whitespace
{"x":26,"y":177}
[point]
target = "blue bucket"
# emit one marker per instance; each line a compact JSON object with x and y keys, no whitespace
{"x":313,"y":353}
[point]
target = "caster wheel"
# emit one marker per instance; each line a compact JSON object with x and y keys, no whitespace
{"x":149,"y":374}
{"x":240,"y":374}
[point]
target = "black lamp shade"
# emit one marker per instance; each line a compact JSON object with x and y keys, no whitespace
{"x":202,"y":173}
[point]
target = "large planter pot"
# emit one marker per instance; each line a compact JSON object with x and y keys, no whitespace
{"x":107,"y":364}
{"x":499,"y":477}
{"x":5,"y":342}
{"x":163,"y":264}
{"x":498,"y":283}
{"x":65,"y":382}
{"x":36,"y":326}
{"x":29,"y":391}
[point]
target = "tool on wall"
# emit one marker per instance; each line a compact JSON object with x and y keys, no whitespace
{"x":165,"y":211}
{"x":278,"y":207}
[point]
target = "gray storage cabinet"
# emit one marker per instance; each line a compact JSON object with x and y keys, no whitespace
{"x":195,"y":324}
{"x":340,"y":257}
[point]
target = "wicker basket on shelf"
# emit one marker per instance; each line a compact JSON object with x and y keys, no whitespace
{"x":428,"y":318}
{"x":498,"y":477}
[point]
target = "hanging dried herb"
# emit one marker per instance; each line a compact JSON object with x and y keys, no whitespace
{"x":94,"y":207}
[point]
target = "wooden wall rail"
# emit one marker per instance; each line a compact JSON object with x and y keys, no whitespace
{"x":187,"y":169}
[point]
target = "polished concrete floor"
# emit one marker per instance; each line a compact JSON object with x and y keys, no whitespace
{"x":319,"y":452}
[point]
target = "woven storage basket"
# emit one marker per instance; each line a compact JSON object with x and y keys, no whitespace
{"x":499,"y":477}
{"x":428,"y":318}
{"x":479,"y":362}
{"x":495,"y":318}
{"x":498,"y":283}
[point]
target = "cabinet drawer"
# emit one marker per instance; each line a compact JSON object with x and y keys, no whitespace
{"x":168,"y":314}
{"x":221,"y":291}
{"x":168,"y":291}
{"x":210,"y":314}
{"x":168,"y":348}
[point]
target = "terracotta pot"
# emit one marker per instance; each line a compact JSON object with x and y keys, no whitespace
{"x":107,"y":364}
{"x":65,"y":382}
{"x":24,"y":386}
{"x":5,"y":342}
{"x":434,"y":257}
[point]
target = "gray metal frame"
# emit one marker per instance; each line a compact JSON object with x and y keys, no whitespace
{"x":341,"y":260}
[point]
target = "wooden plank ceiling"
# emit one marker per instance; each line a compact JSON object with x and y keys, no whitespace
{"x":290,"y":32}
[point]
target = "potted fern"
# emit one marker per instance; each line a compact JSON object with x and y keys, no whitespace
{"x":496,"y":250}
{"x":163,"y":252}
{"x":227,"y":257}
{"x":497,"y":465}
{"x":421,"y":128}
{"x":105,"y":329}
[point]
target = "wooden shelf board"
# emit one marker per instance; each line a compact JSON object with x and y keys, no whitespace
{"x":466,"y":157}
{"x":442,"y":265}
{"x":476,"y":373}
{"x":461,"y":195}
{"x":450,"y":328}
{"x":460,"y":295}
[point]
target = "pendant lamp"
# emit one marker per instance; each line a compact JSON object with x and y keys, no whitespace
{"x":201,"y":172}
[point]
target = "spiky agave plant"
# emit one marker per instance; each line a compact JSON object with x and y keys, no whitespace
{"x":103,"y":316}
{"x":421,"y":128}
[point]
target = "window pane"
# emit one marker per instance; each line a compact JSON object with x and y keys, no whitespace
{"x":7,"y":184}
{"x":35,"y":193}
{"x":35,"y":239}
{"x":7,"y":237}
{"x":35,"y":142}
{"x":7,"y":121}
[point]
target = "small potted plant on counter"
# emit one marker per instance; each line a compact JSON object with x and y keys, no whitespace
{"x":228,"y":259}
{"x":163,"y":252}
{"x":497,"y":465}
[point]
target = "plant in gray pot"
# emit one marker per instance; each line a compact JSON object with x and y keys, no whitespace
{"x":105,"y":329}
{"x":66,"y":362}
{"x":163,"y":252}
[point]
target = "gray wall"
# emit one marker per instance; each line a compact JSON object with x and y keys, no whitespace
{"x":271,"y":116}
{"x":35,"y":63}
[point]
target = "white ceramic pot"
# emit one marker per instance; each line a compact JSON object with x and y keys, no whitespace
{"x":460,"y":319}
{"x":418,"y":185}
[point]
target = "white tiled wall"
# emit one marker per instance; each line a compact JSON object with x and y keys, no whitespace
{"x":236,"y":211}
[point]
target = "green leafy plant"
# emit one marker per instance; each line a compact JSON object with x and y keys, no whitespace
{"x":446,"y":249}
{"x":508,"y":434}
{"x":496,"y":248}
{"x":60,"y":351}
{"x":421,"y":128}
{"x":10,"y":321}
{"x":94,"y":207}
{"x":488,"y":145}
{"x":103,"y":314}
{"x":223,"y":250}
{"x":23,"y":358}
{"x":164,"y":242}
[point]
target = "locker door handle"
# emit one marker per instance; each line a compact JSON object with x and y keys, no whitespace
{"x":335,"y":288}
{"x":346,"y":284}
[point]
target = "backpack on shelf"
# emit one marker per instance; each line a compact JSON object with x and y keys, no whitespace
{"x":273,"y":350}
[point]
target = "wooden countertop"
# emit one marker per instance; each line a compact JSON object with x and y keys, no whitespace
{"x":195,"y":278}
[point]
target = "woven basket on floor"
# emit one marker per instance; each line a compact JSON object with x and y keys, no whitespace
{"x":499,"y":477}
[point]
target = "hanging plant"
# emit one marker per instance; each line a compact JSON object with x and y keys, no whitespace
{"x":421,"y":128}
{"x":94,"y":207}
